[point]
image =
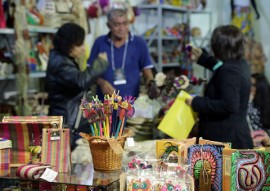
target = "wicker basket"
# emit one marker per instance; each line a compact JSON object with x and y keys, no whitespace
{"x":104,"y":158}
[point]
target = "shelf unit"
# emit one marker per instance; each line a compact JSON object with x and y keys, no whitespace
{"x":34,"y":29}
{"x":7,"y":82}
{"x":157,"y":40}
{"x":31,"y":75}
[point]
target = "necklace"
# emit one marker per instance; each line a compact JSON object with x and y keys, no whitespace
{"x":124,"y":55}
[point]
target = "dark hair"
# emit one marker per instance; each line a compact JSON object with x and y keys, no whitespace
{"x":262,"y":97}
{"x":227,"y":43}
{"x":68,"y":36}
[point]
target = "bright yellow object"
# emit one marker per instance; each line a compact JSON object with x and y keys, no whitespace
{"x":180,"y":118}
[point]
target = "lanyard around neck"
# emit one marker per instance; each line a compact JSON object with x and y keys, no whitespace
{"x":124,"y":55}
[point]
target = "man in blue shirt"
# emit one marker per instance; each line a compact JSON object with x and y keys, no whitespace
{"x":128,"y":56}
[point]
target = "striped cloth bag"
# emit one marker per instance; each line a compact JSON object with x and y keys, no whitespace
{"x":56,"y":149}
{"x":22,"y":136}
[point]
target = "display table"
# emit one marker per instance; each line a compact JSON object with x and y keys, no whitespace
{"x":83,"y":175}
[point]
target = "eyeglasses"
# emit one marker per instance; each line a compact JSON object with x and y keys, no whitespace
{"x":116,"y":24}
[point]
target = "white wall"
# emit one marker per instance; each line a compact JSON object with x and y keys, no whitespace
{"x":221,"y":12}
{"x":262,"y":29}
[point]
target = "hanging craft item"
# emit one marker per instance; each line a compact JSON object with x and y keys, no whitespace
{"x":242,"y":15}
{"x":22,"y":50}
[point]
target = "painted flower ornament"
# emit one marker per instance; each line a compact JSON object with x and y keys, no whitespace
{"x":181,"y":82}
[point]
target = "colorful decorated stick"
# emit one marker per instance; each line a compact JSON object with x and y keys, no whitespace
{"x":108,"y":108}
{"x":116,"y":99}
{"x":126,"y":111}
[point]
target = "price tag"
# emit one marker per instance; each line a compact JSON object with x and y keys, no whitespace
{"x":55,"y":135}
{"x":49,"y":175}
{"x":130,"y":142}
{"x":116,"y":147}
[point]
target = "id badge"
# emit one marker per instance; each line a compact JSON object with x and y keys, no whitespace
{"x":119,"y":77}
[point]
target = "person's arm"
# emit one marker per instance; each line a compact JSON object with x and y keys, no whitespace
{"x":105,"y":86}
{"x":94,"y":53}
{"x":202,"y":58}
{"x":229,"y":91}
{"x":148,"y":75}
{"x":71,"y":77}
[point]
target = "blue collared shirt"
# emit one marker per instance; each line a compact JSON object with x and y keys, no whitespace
{"x":137,"y":59}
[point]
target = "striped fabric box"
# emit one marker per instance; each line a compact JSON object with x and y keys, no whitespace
{"x":5,"y":146}
{"x":22,"y":136}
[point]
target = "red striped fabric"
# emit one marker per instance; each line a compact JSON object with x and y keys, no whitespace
{"x":31,"y":171}
{"x":22,"y":136}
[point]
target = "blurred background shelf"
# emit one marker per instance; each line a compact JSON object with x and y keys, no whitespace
{"x":31,"y":75}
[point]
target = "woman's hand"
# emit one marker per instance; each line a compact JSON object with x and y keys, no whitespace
{"x":195,"y":53}
{"x":103,"y":55}
{"x":189,"y":101}
{"x":105,"y":86}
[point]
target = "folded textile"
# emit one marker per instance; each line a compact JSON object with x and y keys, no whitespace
{"x":31,"y":171}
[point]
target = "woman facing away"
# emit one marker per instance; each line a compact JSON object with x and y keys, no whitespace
{"x":223,"y":107}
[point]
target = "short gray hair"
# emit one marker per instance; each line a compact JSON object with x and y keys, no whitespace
{"x":116,"y":13}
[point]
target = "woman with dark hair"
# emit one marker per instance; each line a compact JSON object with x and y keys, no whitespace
{"x":223,"y":108}
{"x":259,"y":109}
{"x":65,"y":83}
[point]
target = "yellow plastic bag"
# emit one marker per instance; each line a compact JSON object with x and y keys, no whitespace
{"x":180,"y":118}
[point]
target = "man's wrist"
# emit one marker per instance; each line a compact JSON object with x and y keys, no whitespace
{"x":100,"y":81}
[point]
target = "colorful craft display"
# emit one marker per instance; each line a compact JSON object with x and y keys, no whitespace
{"x":156,"y":175}
{"x":250,"y":170}
{"x":206,"y":159}
{"x":108,"y":119}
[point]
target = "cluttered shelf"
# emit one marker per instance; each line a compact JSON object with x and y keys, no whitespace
{"x":38,"y":29}
{"x":31,"y":75}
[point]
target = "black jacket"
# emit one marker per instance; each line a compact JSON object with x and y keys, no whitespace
{"x":223,"y":109}
{"x":66,"y":84}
